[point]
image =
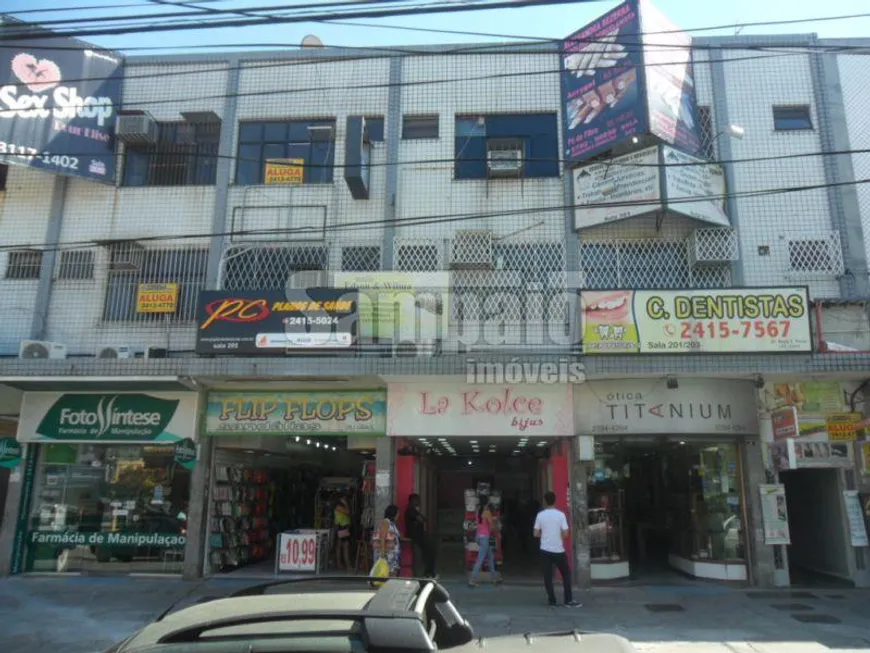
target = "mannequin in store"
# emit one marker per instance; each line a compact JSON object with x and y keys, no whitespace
{"x":386,"y":542}
{"x":342,"y":520}
{"x":486,"y":526}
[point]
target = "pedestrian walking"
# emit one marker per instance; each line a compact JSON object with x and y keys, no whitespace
{"x":551,"y":528}
{"x":485,"y":551}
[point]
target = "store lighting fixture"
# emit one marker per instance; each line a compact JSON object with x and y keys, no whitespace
{"x":308,"y":442}
{"x":682,"y":442}
{"x":542,"y":443}
{"x":317,"y":444}
{"x":297,"y":438}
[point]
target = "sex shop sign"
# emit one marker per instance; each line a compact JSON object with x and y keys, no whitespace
{"x":451,"y":409}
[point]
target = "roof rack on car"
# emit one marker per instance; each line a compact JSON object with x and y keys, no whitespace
{"x":390,"y":620}
{"x":365,"y":582}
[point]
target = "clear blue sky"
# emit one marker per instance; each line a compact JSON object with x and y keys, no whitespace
{"x":543,"y":22}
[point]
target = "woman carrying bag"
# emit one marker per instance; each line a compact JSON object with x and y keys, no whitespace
{"x":386,"y":545}
{"x":486,"y":526}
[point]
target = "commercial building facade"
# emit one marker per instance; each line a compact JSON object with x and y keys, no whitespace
{"x":276,"y":172}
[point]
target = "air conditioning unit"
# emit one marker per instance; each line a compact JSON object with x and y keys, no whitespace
{"x":712,"y":247}
{"x":303,"y":279}
{"x":156,"y":352}
{"x":139,"y":128}
{"x":185,"y":134}
{"x":472,"y":250}
{"x":126,"y":257}
{"x":115,"y":351}
{"x":504,"y":162}
{"x":41,"y":349}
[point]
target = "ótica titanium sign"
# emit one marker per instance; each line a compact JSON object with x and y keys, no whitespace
{"x":59,"y":100}
{"x":106,"y":417}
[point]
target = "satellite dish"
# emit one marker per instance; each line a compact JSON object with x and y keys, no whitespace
{"x":312,"y":41}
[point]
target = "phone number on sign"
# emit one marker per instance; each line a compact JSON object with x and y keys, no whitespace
{"x":47,"y":158}
{"x":724,"y":329}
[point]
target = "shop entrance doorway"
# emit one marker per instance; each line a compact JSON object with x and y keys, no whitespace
{"x":452,"y":475}
{"x":263,"y":486}
{"x":819,"y":543}
{"x":665,"y":510}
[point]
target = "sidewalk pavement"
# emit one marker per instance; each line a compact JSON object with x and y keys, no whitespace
{"x":83,"y":614}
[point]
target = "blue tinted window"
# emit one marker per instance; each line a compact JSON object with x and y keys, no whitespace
{"x":259,"y":142}
{"x":536,"y":136}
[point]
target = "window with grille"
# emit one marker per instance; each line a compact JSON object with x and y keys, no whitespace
{"x":361,"y":259}
{"x":375,"y":128}
{"x":270,"y":268}
{"x":311,"y":141}
{"x":787,"y":119}
{"x":811,"y":255}
{"x":419,"y":127}
{"x":635,"y":265}
{"x":418,"y":258}
{"x":708,"y":134}
{"x":24,"y":264}
{"x":185,"y":154}
{"x":76,"y":265}
{"x":185,"y":267}
{"x":527,"y":285}
{"x":490,"y":144}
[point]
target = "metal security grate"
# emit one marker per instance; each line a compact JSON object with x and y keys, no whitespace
{"x":129,"y":267}
{"x":24,"y":264}
{"x":419,"y":256}
{"x":814,"y":254}
{"x":76,"y":265}
{"x":708,"y":132}
{"x":248,"y":267}
{"x":713,"y":247}
{"x":645,"y":263}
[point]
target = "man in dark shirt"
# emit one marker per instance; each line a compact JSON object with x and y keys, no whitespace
{"x":415,"y":526}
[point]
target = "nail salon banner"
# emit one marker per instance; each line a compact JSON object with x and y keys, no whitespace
{"x":733,"y":320}
{"x":602,"y":84}
{"x":58,"y":103}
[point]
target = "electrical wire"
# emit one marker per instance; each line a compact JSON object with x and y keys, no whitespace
{"x":67,"y":8}
{"x":426,"y":220}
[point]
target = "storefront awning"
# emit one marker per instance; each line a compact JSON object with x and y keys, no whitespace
{"x":97,"y":383}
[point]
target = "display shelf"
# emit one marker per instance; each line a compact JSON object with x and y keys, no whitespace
{"x":240,"y":531}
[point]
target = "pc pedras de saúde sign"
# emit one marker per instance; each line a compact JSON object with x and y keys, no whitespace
{"x":727,"y":321}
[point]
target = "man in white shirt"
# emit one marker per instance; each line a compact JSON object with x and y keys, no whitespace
{"x":551,"y":527}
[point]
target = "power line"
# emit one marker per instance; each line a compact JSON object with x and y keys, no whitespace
{"x":426,"y":220}
{"x":67,"y":9}
{"x":430,"y":8}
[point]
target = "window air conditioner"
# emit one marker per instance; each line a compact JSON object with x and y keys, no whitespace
{"x":127,"y":257}
{"x":41,"y":349}
{"x":472,"y":250}
{"x":115,"y":351}
{"x":136,"y":129}
{"x":504,"y":163}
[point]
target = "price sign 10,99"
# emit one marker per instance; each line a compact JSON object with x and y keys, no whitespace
{"x":297,"y":552}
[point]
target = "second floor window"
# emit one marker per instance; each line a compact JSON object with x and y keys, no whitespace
{"x":311,"y":141}
{"x":185,"y":154}
{"x":523,"y":145}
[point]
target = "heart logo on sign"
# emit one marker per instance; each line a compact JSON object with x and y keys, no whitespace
{"x":40,"y":75}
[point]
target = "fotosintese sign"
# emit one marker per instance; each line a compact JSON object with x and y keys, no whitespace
{"x":59,"y":99}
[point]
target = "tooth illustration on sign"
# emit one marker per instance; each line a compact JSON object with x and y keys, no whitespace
{"x":603,"y":331}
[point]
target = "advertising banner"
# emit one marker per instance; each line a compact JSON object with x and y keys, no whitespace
{"x":284,"y":172}
{"x":602,"y":84}
{"x":785,"y":423}
{"x":736,"y":320}
{"x":704,"y":406}
{"x":400,"y":306}
{"x":156,"y":297}
{"x":352,"y":412}
{"x":670,"y":85}
{"x":106,"y":417}
{"x":629,"y":182}
{"x":445,"y":409}
{"x":11,"y":453}
{"x":275,"y":322}
{"x":855,"y":517}
{"x":797,"y":453}
{"x":864,"y":451}
{"x":58,"y":104}
{"x":774,"y":514}
{"x":687,"y":178}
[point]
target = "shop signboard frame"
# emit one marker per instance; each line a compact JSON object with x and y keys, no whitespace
{"x":610,"y":322}
{"x":774,"y":514}
{"x":800,"y":453}
{"x":283,"y":413}
{"x":275,"y":323}
{"x":62,"y":98}
{"x":443,"y":409}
